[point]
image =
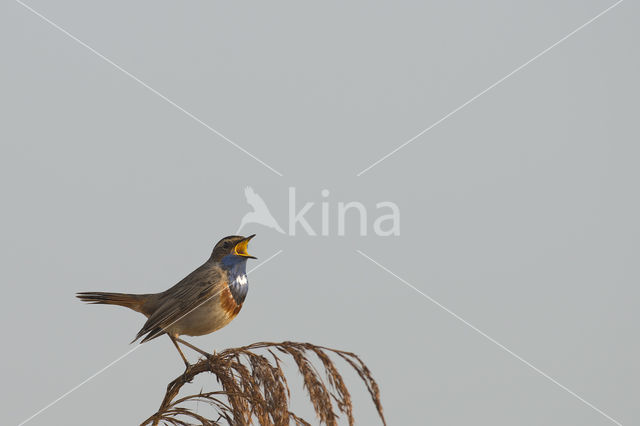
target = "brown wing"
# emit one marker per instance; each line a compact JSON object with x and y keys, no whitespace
{"x":177,"y":302}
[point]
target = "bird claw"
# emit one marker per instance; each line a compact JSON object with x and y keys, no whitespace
{"x":207,"y":357}
{"x":185,"y":376}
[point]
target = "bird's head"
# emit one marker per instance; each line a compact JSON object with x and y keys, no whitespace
{"x":232,"y":249}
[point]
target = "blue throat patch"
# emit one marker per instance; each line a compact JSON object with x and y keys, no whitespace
{"x":236,"y":267}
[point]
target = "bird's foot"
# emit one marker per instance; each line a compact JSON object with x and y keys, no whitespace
{"x":185,"y":375}
{"x":212,"y":356}
{"x":207,"y":357}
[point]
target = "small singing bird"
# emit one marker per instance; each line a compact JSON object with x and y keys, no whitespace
{"x":204,"y":301}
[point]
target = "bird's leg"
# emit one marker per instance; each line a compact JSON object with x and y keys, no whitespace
{"x":173,"y":339}
{"x":186,"y":363}
{"x":206,"y":354}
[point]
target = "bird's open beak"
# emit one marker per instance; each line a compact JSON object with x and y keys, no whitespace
{"x":241,"y":248}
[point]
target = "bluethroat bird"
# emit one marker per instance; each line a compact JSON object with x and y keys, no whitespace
{"x":204,"y":301}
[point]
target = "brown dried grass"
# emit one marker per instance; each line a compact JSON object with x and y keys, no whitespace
{"x":254,"y":388}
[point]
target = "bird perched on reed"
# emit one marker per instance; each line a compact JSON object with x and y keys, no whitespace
{"x":204,"y":301}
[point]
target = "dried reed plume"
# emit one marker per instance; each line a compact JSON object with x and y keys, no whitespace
{"x":254,"y":387}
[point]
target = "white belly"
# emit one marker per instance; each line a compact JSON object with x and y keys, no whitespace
{"x":203,"y":320}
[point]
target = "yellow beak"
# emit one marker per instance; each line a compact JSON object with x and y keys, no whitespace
{"x":241,"y":248}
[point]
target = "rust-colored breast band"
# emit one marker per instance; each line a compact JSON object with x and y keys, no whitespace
{"x":228,"y":303}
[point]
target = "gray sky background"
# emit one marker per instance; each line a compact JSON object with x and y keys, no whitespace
{"x":519,"y":213}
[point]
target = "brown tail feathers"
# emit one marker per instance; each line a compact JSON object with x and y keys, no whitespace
{"x":131,"y":301}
